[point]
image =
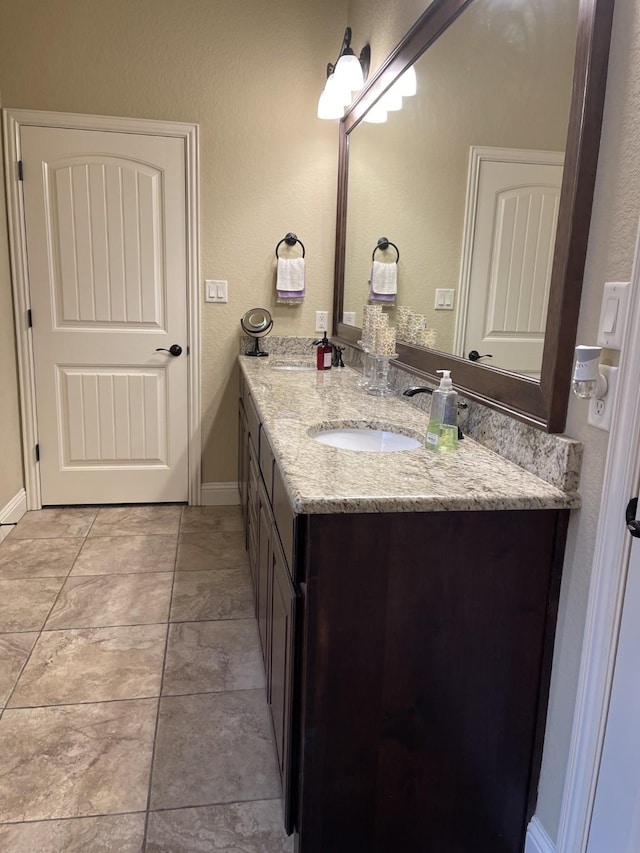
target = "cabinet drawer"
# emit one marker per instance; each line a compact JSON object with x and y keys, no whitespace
{"x":266,"y":464}
{"x":285,"y":520}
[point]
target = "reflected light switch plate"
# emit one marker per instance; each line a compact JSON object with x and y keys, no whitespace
{"x":444,"y":299}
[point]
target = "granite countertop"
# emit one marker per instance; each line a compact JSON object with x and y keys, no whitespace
{"x":323,"y":479}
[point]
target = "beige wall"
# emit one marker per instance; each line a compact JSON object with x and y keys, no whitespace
{"x":11,"y":479}
{"x":477,"y":85}
{"x":250,"y":74}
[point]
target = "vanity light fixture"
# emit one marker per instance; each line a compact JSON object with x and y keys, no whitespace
{"x":344,"y":77}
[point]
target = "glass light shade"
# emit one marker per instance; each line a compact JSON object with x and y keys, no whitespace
{"x":348,"y":72}
{"x":408,"y":84}
{"x":392,"y":99}
{"x":337,"y":90}
{"x":328,"y":108}
{"x":333,"y":99}
{"x":377,"y":114}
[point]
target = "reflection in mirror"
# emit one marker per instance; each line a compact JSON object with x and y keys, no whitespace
{"x":466,"y":218}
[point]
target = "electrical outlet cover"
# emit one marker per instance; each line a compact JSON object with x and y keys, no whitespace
{"x":600,"y":409}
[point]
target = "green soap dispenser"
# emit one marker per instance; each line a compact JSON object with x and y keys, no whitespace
{"x":442,"y":432}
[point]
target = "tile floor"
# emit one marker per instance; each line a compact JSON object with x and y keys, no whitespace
{"x":132,"y":708}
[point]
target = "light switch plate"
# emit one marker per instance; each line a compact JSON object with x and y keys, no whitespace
{"x":349,"y":318}
{"x":216,"y":291}
{"x":615,"y":300}
{"x":444,"y":299}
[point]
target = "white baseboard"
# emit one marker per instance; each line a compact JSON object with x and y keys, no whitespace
{"x":220,"y":494}
{"x":12,"y":512}
{"x":537,"y":839}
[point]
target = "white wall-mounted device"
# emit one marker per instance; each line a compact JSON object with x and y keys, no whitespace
{"x":596,"y":383}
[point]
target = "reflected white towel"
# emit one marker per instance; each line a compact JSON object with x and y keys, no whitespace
{"x":384,"y":278}
{"x":290,"y":280}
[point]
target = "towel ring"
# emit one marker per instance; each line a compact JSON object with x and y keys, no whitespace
{"x":383,"y":244}
{"x":290,"y":239}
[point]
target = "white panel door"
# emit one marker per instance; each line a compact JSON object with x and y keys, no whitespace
{"x":615,"y":823}
{"x":105,"y":223}
{"x":512,"y":252}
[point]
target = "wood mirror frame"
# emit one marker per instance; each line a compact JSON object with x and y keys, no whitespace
{"x":543,"y":403}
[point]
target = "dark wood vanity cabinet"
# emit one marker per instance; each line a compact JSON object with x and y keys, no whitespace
{"x":408,"y":659}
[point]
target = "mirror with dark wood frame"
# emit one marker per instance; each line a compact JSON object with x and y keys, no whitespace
{"x":542,"y":403}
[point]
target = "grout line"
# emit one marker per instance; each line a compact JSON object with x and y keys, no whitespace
{"x":155,"y":733}
{"x":83,"y":702}
{"x":138,"y":811}
{"x":70,"y":817}
{"x":213,"y":803}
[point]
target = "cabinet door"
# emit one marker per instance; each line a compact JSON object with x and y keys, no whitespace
{"x":282,"y":671}
{"x":243,"y":463}
{"x":264,"y":581}
{"x":252,"y":515}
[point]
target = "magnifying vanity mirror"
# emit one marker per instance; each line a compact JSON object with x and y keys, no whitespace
{"x":484,"y":180}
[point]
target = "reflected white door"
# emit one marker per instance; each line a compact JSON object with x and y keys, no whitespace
{"x":105,"y":222}
{"x":511,"y":230}
{"x":615,"y":823}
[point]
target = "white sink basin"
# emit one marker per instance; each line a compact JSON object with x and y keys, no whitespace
{"x":367,"y":439}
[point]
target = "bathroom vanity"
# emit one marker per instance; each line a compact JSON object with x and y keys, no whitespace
{"x":406,"y":604}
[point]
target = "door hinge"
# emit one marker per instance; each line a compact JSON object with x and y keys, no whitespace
{"x":37,"y":452}
{"x":29,"y":318}
{"x":20,"y":171}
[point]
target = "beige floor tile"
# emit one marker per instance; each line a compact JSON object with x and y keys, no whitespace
{"x":102,"y":600}
{"x":24,"y":604}
{"x":207,"y":657}
{"x":14,"y":651}
{"x":214,"y":748}
{"x":33,"y":558}
{"x":223,"y":594}
{"x":108,"y":834}
{"x":91,"y":665}
{"x":109,"y":555}
{"x":75,"y":760}
{"x":207,"y":519}
{"x":136,"y":520}
{"x":247,"y":827}
{"x":54,"y":523}
{"x":200,"y":551}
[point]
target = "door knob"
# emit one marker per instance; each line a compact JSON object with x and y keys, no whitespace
{"x":633,"y":526}
{"x":474,"y":355}
{"x":174,"y":350}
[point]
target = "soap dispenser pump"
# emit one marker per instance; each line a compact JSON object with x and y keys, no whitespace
{"x":442,"y":432}
{"x":324,"y":353}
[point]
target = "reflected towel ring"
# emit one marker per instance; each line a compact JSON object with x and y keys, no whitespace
{"x":290,"y":239}
{"x":383,"y":245}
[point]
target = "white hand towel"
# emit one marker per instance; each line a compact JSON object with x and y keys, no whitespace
{"x":291,"y":277}
{"x":384,"y":278}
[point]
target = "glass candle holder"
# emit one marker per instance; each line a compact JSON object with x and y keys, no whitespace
{"x":379,"y":385}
